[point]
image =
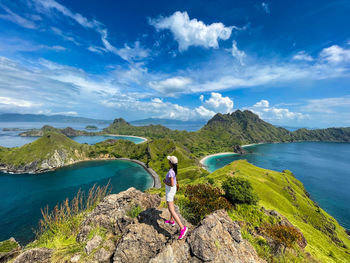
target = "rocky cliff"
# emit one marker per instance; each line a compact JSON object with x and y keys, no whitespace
{"x":146,"y":238}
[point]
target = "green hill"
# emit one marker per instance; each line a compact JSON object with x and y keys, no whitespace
{"x":50,"y":151}
{"x":326,"y":240}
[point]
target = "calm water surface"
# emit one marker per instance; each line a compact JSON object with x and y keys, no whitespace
{"x":12,"y":139}
{"x":324,"y":169}
{"x":22,"y":196}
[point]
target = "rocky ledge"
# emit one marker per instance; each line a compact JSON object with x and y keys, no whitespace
{"x":146,"y":238}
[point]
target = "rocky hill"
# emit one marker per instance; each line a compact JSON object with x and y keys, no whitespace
{"x":50,"y":151}
{"x":146,"y":238}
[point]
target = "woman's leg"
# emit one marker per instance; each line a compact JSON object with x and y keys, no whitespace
{"x":174,"y":215}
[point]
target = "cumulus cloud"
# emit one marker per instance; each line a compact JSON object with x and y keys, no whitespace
{"x":302,"y":55}
{"x":274,"y":114}
{"x":171,"y":86}
{"x":158,"y":108}
{"x":192,"y":32}
{"x":262,"y":104}
{"x":335,"y":54}
{"x":218,"y":103}
{"x":7,"y":101}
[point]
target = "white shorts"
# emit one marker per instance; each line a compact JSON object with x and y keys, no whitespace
{"x":170,"y":192}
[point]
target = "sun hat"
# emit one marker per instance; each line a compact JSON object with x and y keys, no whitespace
{"x":172,"y":159}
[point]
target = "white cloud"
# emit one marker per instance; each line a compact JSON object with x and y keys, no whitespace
{"x":201,"y":98}
{"x":262,"y":104}
{"x":302,"y":55}
{"x":15,"y":102}
{"x":171,"y":86}
{"x":327,"y":105}
{"x":335,"y":54}
{"x":266,"y":7}
{"x":204,"y":112}
{"x":17,"y":19}
{"x":274,"y":114}
{"x":133,"y":53}
{"x":192,"y":32}
{"x":236,"y":53}
{"x":218,"y":103}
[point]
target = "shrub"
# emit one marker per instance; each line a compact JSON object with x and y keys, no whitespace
{"x":134,"y":211}
{"x":239,"y":191}
{"x":286,"y":236}
{"x":204,"y":199}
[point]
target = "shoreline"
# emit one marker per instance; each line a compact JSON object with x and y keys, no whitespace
{"x":155,"y":177}
{"x":202,"y":161}
{"x":116,"y":135}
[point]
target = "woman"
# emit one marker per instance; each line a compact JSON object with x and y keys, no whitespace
{"x":170,"y":191}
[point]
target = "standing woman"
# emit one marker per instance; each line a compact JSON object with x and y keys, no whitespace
{"x":170,"y":191}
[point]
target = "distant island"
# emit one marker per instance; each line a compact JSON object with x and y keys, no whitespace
{"x":91,"y":127}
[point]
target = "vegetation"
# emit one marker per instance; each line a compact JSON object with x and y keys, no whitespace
{"x":239,"y":191}
{"x":59,"y":227}
{"x":201,"y":200}
{"x":134,"y":211}
{"x":7,"y":246}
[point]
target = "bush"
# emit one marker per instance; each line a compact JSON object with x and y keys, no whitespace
{"x":204,"y":199}
{"x":134,"y":211}
{"x":239,"y":191}
{"x":283,"y":235}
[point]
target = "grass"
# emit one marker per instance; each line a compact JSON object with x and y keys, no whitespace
{"x":59,"y":227}
{"x":282,"y":192}
{"x":134,"y":211}
{"x":7,"y":246}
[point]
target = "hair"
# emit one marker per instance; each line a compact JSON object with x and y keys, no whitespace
{"x":174,"y":166}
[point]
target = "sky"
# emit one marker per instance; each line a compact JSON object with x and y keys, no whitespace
{"x":287,"y":61}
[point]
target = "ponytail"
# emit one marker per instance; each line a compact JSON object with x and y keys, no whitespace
{"x":175,"y":168}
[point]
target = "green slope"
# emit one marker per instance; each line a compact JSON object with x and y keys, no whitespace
{"x":282,"y":192}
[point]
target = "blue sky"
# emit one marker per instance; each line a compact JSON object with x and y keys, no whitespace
{"x":288,"y":61}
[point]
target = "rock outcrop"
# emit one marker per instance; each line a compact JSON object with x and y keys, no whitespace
{"x":146,"y":238}
{"x":238,"y":149}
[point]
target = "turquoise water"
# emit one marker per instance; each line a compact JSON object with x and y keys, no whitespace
{"x":23,"y":195}
{"x":324,"y":169}
{"x":12,"y":139}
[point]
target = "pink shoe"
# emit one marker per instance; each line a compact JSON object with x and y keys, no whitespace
{"x":183,"y":232}
{"x":172,"y":223}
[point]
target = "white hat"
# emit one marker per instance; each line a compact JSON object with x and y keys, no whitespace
{"x":172,"y":159}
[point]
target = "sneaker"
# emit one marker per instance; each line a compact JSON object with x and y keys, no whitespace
{"x":183,"y":232}
{"x":172,"y":223}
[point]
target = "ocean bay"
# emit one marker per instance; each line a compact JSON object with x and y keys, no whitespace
{"x":323,"y":168}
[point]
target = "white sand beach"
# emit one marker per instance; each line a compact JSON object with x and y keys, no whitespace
{"x":202,"y":161}
{"x":143,"y":138}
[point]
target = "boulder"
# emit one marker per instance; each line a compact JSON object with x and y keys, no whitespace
{"x":113,"y":208}
{"x":35,"y":255}
{"x":140,"y":243}
{"x":93,"y":244}
{"x":218,"y":239}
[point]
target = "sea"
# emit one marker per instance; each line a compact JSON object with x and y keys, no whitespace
{"x":323,"y":168}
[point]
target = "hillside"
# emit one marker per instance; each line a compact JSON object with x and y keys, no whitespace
{"x":50,"y":151}
{"x":224,"y":131}
{"x":281,"y":192}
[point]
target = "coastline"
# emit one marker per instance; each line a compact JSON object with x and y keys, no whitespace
{"x":202,"y":161}
{"x":150,"y":171}
{"x":116,"y":135}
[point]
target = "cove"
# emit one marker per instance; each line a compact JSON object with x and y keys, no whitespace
{"x":23,"y":195}
{"x":323,"y":168}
